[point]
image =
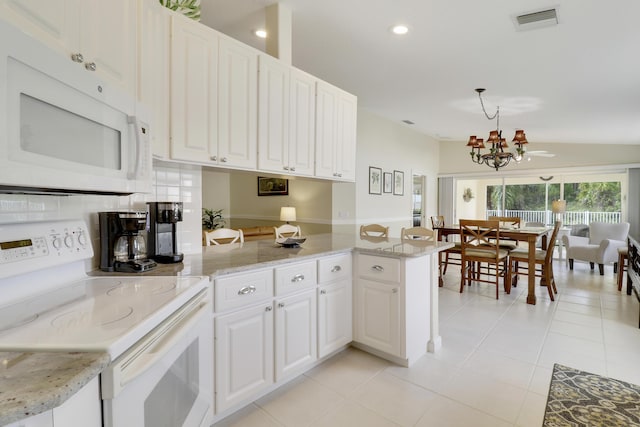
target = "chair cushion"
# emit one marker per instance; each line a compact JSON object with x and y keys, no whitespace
{"x":486,"y":253}
{"x":522,"y":254}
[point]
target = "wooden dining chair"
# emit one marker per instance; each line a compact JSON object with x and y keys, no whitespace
{"x":507,"y":222}
{"x":223,"y":236}
{"x":448,"y":256}
{"x":519,"y":260}
{"x":287,"y":230}
{"x":374,"y":230}
{"x":480,"y":245}
{"x":418,"y":233}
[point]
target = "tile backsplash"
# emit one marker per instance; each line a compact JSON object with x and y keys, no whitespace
{"x":172,"y":182}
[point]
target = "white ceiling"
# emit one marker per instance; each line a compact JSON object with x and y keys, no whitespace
{"x":578,"y":81}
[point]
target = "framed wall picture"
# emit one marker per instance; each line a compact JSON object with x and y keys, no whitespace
{"x":398,"y":183}
{"x":273,"y":186}
{"x":375,"y":180}
{"x":388,"y":182}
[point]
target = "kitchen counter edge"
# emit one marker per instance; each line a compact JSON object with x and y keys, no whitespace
{"x":35,"y":382}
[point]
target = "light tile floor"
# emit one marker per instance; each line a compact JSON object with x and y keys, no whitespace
{"x":493,"y":369}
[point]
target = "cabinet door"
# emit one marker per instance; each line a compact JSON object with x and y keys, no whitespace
{"x":154,"y":38}
{"x":82,"y":409}
{"x":108,"y":40}
{"x":273,"y":115}
{"x":302,"y":120}
{"x":378,"y":316}
{"x":346,"y":136}
{"x":237,"y":104}
{"x":194,"y":53}
{"x":53,"y":22}
{"x":334,"y":316}
{"x":326,"y":129}
{"x":296,"y":339}
{"x":243,"y":355}
{"x":44,"y":419}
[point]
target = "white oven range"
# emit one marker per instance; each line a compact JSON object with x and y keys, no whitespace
{"x":156,"y":329}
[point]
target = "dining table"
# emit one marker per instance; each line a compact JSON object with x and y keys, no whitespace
{"x":521,"y":234}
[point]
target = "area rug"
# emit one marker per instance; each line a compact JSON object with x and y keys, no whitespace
{"x":578,"y":398}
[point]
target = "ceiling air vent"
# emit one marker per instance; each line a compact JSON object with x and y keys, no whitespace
{"x":536,"y":19}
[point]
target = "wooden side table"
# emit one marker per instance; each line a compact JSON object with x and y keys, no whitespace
{"x":623,"y":255}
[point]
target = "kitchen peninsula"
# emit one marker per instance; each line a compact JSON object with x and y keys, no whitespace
{"x":291,"y":308}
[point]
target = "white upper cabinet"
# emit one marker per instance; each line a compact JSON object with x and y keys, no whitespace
{"x":273,"y":115}
{"x":336,"y":114}
{"x":194,"y":107}
{"x":286,"y":118}
{"x":302,"y":119}
{"x":154,"y":39}
{"x":237,"y":104}
{"x":99,"y":36}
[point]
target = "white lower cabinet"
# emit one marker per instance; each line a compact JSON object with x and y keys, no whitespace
{"x":335,"y":307}
{"x":44,"y":419}
{"x":392,"y":306}
{"x":243,"y":354}
{"x":271,"y":325}
{"x":378,"y":323}
{"x":296,"y":336}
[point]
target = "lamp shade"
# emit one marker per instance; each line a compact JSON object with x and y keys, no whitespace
{"x":287,"y":213}
{"x":559,"y":206}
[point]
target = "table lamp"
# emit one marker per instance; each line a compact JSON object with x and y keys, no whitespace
{"x":558,"y":207}
{"x":287,"y":213}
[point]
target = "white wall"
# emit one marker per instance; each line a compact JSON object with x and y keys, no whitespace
{"x":390,"y":146}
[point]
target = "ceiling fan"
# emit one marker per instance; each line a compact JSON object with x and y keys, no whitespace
{"x":537,"y":153}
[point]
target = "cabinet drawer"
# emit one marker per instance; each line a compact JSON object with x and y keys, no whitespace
{"x":242,"y":289}
{"x":334,"y":268}
{"x":379,"y":268}
{"x":295,"y":277}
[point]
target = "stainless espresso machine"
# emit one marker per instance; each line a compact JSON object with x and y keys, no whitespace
{"x":122,"y":247}
{"x":163,"y":219}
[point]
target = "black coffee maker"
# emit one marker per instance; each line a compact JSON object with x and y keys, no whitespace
{"x":163,"y":219}
{"x":122,"y":247}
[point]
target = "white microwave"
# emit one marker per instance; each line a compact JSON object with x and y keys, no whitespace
{"x":63,"y":129}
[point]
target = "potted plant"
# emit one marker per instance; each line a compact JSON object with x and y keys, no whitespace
{"x":212,"y":219}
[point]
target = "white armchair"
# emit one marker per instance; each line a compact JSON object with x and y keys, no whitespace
{"x":601,"y":247}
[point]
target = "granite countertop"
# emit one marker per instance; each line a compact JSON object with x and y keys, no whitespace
{"x":238,"y":257}
{"x":32,"y":383}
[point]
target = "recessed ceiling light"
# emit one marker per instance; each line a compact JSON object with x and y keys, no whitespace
{"x":400,"y":29}
{"x":261,"y":33}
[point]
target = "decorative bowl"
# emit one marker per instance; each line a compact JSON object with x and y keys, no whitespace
{"x":290,"y":242}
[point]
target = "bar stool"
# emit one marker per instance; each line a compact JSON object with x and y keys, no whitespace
{"x":623,"y":255}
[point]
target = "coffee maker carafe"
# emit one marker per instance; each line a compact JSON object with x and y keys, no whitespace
{"x":163,"y":219}
{"x":122,"y":247}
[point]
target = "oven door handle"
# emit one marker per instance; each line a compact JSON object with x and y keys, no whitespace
{"x":153,"y":347}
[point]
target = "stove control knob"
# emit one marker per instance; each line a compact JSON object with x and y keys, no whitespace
{"x":57,"y":242}
{"x":82,"y":238}
{"x":68,"y":241}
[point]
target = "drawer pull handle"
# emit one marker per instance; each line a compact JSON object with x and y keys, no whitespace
{"x":336,"y":268}
{"x":247,"y":290}
{"x":323,"y":292}
{"x":268,"y":308}
{"x":297,"y":278}
{"x":280,"y":304}
{"x":377,"y":268}
{"x":395,"y":290}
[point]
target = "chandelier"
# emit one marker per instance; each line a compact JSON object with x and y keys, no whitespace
{"x":497,"y":157}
